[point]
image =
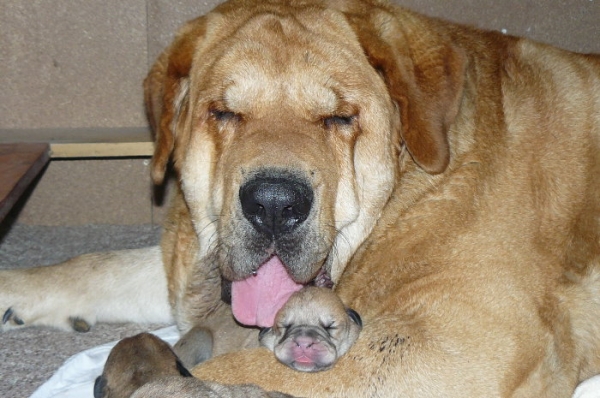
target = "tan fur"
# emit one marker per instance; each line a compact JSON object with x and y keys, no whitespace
{"x":488,"y":228}
{"x":457,"y":208}
{"x":179,"y":387}
{"x":97,"y":287}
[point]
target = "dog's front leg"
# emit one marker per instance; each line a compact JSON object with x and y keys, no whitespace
{"x":119,"y":286}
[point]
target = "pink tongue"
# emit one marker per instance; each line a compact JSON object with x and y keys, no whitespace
{"x":256,"y":299}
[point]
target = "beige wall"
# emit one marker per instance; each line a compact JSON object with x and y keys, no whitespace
{"x":80,"y":63}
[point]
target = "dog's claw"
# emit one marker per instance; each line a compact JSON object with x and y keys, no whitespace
{"x":10,"y":315}
{"x":7,"y":315}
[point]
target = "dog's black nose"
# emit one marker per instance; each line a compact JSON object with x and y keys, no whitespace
{"x":275,"y":205}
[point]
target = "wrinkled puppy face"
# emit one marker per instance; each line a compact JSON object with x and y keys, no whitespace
{"x":312,"y":330}
{"x":286,"y":148}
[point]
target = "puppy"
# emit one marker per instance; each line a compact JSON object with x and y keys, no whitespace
{"x":144,"y":366}
{"x":312,"y":330}
{"x":135,"y":361}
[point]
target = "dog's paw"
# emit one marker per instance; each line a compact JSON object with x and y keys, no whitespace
{"x":15,"y":319}
{"x":24,"y":302}
{"x":195,"y":346}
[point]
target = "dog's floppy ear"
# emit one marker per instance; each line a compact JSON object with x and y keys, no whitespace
{"x":165,"y":92}
{"x":425,"y":76}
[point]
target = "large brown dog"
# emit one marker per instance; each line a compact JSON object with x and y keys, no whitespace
{"x":444,"y":178}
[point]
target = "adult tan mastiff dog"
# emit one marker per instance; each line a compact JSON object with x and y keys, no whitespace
{"x":445,"y":179}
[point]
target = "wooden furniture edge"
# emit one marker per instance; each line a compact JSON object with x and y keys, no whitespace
{"x":19,"y":165}
{"x":86,"y":142}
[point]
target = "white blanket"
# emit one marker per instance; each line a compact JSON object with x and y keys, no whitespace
{"x":75,"y":379}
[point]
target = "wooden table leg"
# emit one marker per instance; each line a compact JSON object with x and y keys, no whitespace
{"x":19,"y":165}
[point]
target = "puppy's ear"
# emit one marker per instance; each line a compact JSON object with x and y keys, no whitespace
{"x":166,"y":92}
{"x":424,"y":73}
{"x":263,"y":332}
{"x":354,"y":316}
{"x":267,"y":338}
{"x":100,"y":387}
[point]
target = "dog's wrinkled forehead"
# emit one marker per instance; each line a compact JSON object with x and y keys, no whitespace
{"x":277,"y":59}
{"x":253,"y":89}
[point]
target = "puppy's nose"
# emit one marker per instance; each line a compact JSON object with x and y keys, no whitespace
{"x":304,"y":342}
{"x":275,"y":205}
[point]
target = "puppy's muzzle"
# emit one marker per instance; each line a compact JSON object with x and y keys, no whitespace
{"x":275,"y":205}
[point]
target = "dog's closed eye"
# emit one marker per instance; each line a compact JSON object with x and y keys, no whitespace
{"x":338,"y":121}
{"x":224,"y":115}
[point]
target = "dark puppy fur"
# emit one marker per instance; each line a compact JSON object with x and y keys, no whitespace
{"x":135,"y":361}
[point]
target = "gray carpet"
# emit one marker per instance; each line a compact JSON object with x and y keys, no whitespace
{"x":28,"y":357}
